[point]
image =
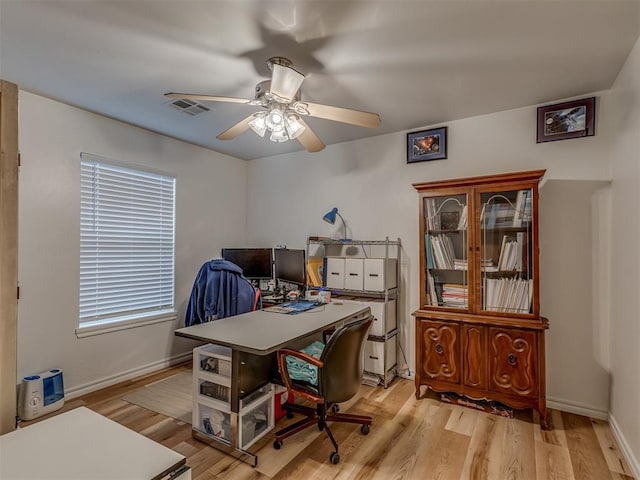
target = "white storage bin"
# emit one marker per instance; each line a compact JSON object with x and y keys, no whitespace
{"x":382,"y":315}
{"x":212,"y":421}
{"x":335,"y":272}
{"x":214,"y":359}
{"x":374,"y":277}
{"x":353,"y":273}
{"x":216,"y":390}
{"x":256,"y":420}
{"x":375,"y":360}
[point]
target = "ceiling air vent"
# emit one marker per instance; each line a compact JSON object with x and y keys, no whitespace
{"x":189,"y":106}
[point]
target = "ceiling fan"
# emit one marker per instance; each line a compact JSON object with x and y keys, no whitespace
{"x":282,"y":107}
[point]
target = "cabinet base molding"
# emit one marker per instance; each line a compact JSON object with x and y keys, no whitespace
{"x":495,"y":408}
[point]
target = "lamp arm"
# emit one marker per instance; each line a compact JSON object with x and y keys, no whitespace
{"x":344,"y":225}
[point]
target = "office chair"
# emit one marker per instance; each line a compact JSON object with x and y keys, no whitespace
{"x":339,"y":379}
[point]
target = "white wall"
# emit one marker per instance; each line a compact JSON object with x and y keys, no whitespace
{"x":370,"y":182}
{"x":211,"y":212}
{"x":625,"y":272}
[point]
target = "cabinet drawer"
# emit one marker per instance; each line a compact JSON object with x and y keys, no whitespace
{"x":375,"y":360}
{"x":256,"y":421}
{"x":335,"y":272}
{"x":374,"y":274}
{"x":353,"y":273}
{"x":439,"y":348}
{"x":212,"y":421}
{"x":513,"y":361}
{"x":214,"y":359}
{"x":214,"y":390}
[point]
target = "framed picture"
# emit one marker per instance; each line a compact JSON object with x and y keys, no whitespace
{"x":427,"y":145}
{"x":566,"y":120}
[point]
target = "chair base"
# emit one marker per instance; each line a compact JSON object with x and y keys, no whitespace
{"x":319,"y":416}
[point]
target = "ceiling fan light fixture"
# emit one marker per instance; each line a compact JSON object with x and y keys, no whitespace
{"x":293,"y":126}
{"x":279,"y":136}
{"x":258,"y":124}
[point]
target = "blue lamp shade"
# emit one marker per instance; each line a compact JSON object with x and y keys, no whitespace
{"x":330,"y":217}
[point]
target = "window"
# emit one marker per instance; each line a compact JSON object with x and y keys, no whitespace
{"x":127,"y":244}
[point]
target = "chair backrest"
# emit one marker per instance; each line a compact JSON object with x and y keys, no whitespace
{"x":341,"y":376}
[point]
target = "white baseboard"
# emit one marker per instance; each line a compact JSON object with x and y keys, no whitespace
{"x":577,"y":408}
{"x":624,"y":446}
{"x":123,"y":376}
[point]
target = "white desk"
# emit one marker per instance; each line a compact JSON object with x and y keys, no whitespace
{"x":81,"y":445}
{"x":254,"y":338}
{"x":263,"y":332}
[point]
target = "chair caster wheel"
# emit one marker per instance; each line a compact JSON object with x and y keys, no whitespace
{"x":334,"y":458}
{"x":335,"y":408}
{"x":289,"y":414}
{"x":364,"y":429}
{"x":277,"y":444}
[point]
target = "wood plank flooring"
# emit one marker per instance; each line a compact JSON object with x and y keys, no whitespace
{"x":410,"y":439}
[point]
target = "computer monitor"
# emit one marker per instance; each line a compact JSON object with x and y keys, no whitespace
{"x":256,"y":263}
{"x":290,"y":266}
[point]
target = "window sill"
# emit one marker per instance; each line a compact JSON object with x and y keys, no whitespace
{"x":108,"y":326}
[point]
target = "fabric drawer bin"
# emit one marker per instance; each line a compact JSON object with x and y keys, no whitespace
{"x":335,"y":272}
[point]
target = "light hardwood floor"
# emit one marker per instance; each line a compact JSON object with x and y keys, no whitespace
{"x":410,"y":439}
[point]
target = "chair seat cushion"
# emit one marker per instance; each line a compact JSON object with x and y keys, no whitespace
{"x":301,"y":370}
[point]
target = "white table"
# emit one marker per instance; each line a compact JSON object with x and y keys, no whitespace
{"x":254,"y":338}
{"x":83,"y":445}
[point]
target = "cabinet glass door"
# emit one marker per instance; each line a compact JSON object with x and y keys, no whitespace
{"x":446,"y":246}
{"x":506,"y":243}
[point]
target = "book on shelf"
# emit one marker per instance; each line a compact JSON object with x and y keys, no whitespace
{"x":462,"y":225}
{"x":508,"y":294}
{"x":428,"y":250}
{"x":455,"y":295}
{"x":518,"y":214}
{"x":503,"y":215}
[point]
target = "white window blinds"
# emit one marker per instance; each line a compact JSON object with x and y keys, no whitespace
{"x":127,"y":233}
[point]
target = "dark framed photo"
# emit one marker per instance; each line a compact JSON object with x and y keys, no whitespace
{"x":427,"y":145}
{"x":566,"y":120}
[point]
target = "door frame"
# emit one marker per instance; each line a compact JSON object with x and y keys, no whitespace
{"x":8,"y":254}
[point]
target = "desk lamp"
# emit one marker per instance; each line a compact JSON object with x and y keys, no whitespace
{"x":330,"y":218}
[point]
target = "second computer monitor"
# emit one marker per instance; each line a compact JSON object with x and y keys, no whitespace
{"x":290,"y":266}
{"x":256,"y":263}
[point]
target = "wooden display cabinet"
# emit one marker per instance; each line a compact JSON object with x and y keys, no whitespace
{"x":479,"y":332}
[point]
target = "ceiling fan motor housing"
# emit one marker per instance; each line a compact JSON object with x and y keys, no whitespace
{"x":264,"y":87}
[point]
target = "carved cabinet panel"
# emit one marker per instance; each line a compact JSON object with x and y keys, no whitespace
{"x":474,"y":364}
{"x":440,"y":351}
{"x":514,"y":361}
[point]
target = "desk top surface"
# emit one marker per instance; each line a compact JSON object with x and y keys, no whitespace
{"x":79,"y":445}
{"x":263,"y":332}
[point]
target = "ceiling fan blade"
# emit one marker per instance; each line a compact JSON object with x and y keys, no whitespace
{"x":309,"y":139}
{"x":207,"y":98}
{"x":339,"y":114}
{"x":285,"y":82}
{"x":240,"y":127}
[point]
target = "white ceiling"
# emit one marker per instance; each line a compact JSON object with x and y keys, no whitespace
{"x":415,"y":62}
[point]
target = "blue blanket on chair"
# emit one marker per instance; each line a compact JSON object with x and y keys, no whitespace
{"x":301,"y":370}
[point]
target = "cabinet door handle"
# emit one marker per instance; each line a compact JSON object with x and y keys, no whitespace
{"x":439,"y":349}
{"x":512,"y":360}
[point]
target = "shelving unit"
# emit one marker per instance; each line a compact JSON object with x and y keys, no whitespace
{"x":212,"y":414}
{"x":479,"y":332}
{"x":365,"y":272}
